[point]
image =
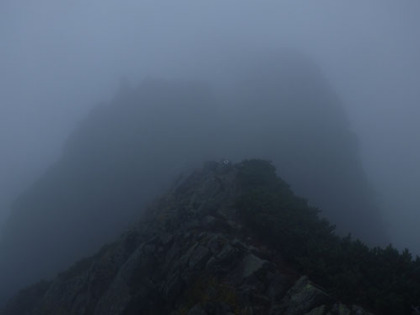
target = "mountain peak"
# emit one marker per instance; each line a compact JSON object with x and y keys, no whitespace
{"x":214,"y":244}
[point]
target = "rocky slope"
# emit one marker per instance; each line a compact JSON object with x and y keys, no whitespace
{"x":129,"y":150}
{"x":190,"y":254}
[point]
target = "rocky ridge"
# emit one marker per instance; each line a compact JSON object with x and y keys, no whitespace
{"x":189,"y":255}
{"x":128,"y":150}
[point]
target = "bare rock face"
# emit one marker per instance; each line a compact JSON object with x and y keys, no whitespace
{"x":189,"y":255}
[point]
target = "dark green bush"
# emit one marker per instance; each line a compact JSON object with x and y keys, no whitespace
{"x":381,"y":279}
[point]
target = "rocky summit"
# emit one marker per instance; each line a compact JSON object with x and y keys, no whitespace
{"x":192,"y":253}
{"x":128,"y":150}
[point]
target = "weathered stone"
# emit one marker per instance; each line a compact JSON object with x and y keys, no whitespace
{"x":251,"y":264}
{"x":303,"y":297}
{"x":278,"y":284}
{"x":173,"y":286}
{"x":199,"y":257}
{"x":320,"y":310}
{"x":215,"y":244}
{"x":357,"y":310}
{"x":196,"y":310}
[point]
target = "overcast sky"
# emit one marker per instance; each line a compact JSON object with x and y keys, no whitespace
{"x":59,"y":58}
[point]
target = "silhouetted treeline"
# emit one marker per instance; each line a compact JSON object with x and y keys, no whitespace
{"x":381,"y":279}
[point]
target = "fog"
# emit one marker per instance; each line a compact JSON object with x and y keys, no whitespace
{"x":58,"y":60}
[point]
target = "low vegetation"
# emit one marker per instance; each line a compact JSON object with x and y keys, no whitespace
{"x":383,"y":280}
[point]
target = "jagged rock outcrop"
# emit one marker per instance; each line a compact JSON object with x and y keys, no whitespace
{"x":190,"y":254}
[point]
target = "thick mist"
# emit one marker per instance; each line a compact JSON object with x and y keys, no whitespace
{"x":278,"y":106}
{"x":59,"y":60}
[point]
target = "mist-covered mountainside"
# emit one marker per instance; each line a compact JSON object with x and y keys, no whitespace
{"x":293,"y":117}
{"x":127,"y":151}
{"x":230,"y":239}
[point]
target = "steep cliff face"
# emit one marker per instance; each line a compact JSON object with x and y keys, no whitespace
{"x":190,"y":254}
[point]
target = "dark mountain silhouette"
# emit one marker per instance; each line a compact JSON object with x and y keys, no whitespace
{"x":230,"y":239}
{"x":127,"y":151}
{"x":291,"y":115}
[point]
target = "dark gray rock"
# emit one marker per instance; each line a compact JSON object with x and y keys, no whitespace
{"x":189,"y":255}
{"x":303,"y":297}
{"x":197,"y":310}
